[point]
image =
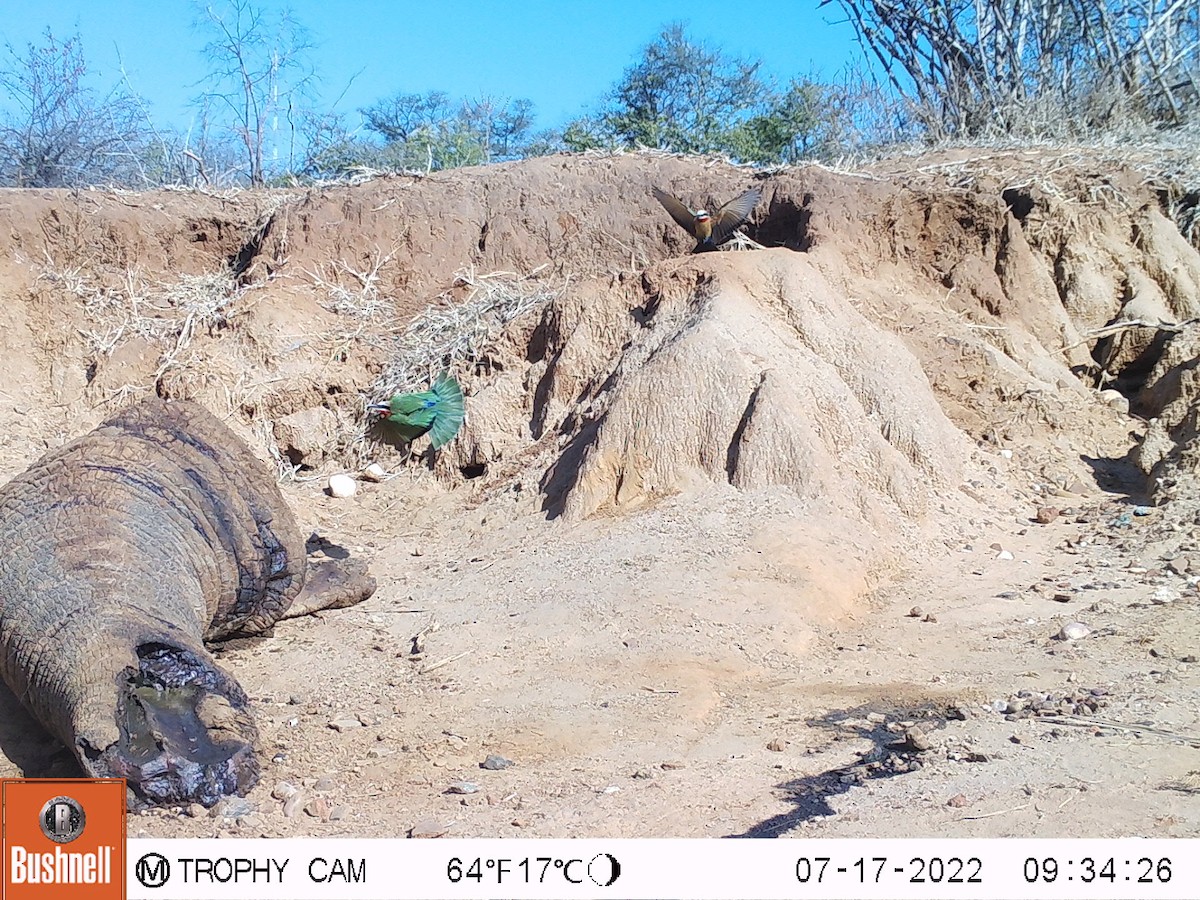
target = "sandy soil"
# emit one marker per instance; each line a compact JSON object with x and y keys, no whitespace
{"x":827,"y":610}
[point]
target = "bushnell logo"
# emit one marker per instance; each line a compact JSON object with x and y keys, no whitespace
{"x":62,"y":838}
{"x":62,"y":820}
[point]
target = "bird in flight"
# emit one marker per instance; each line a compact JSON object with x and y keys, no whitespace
{"x":710,"y":231}
{"x":438,"y":412}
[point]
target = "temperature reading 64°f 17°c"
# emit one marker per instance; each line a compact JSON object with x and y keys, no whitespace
{"x":602,"y":869}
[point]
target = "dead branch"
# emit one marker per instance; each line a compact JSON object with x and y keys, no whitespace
{"x":1118,"y":327}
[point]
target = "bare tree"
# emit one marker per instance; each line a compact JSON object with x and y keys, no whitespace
{"x":260,"y":70}
{"x":501,"y":124}
{"x":973,"y":67}
{"x":58,"y":131}
{"x":398,"y":118}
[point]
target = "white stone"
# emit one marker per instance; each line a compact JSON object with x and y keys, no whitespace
{"x":1165,"y":595}
{"x":342,"y":486}
{"x":1073,"y":631}
{"x":374,"y":472}
{"x":1116,"y":400}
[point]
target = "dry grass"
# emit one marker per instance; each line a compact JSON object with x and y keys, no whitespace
{"x":1072,"y":173}
{"x":448,"y":335}
{"x":354,"y":292}
{"x":443,"y":336}
{"x":129,"y":306}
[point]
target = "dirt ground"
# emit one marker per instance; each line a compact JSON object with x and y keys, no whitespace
{"x":771,"y":542}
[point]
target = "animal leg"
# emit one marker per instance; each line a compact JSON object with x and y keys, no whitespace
{"x":332,"y":584}
{"x":185,"y":733}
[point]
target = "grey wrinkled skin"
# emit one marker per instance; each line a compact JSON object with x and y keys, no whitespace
{"x":121,"y":554}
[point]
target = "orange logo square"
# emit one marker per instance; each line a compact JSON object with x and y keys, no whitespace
{"x":62,"y":838}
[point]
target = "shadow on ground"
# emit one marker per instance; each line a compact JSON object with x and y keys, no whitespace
{"x":892,"y":752}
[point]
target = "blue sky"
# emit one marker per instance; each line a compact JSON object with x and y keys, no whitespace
{"x":561,"y":55}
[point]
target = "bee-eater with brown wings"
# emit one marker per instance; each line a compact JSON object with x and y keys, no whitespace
{"x":710,"y":231}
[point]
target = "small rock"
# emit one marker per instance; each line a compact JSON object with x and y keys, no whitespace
{"x":1063,"y":597}
{"x":283,"y":790}
{"x":495,"y":762}
{"x":292,"y":804}
{"x":342,"y":486}
{"x":1007,"y":454}
{"x":197,"y":810}
{"x":324,"y":784}
{"x":1046,"y":515}
{"x":1164,"y":595}
{"x":1179,"y":565}
{"x":374,"y":472}
{"x":462,"y":787}
{"x":318,"y":808}
{"x":1115,"y":399}
{"x":1004,"y":554}
{"x":519,"y":823}
{"x":916,"y":739}
{"x":233,"y":808}
{"x":427,"y":828}
{"x":1142,"y":510}
{"x":776,"y":745}
{"x":338,"y":813}
{"x":931,"y":618}
{"x":916,"y":612}
{"x":672,"y":764}
{"x":958,"y":801}
{"x":1073,"y":631}
{"x":876,"y":718}
{"x":345,"y":724}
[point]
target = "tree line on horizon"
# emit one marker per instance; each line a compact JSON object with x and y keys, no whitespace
{"x":945,"y":70}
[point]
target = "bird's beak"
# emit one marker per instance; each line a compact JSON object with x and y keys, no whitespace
{"x":380,"y":409}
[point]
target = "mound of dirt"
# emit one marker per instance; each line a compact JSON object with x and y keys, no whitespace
{"x":750,"y":369}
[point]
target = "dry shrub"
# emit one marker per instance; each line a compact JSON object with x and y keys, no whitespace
{"x":446,"y":336}
{"x":355,"y":292}
{"x":452,"y":335}
{"x":166,"y":314}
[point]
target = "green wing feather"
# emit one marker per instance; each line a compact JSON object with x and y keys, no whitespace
{"x":449,"y":411}
{"x":439,"y":412}
{"x":410,"y":404}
